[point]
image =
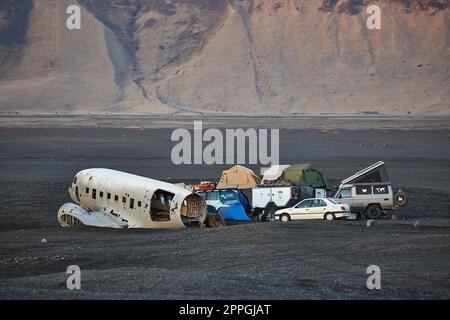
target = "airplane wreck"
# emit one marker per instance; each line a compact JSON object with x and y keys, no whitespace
{"x":115,"y":199}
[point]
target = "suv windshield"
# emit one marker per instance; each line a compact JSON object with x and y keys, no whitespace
{"x":344,"y":193}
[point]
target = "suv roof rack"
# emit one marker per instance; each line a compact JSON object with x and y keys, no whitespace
{"x":366,"y":184}
{"x":364,"y":171}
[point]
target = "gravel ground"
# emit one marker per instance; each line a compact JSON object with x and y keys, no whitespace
{"x":295,"y":260}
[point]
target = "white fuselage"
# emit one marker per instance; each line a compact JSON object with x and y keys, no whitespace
{"x":109,"y":198}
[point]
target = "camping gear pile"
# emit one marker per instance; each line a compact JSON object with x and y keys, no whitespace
{"x":282,"y":186}
{"x":242,"y":179}
{"x":239,"y":177}
{"x":204,"y":185}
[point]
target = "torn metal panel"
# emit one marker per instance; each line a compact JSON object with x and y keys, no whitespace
{"x":70,"y":215}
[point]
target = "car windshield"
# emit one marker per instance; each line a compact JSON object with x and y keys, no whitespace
{"x":335,"y":201}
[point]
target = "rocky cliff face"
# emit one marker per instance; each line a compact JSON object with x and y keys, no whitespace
{"x":206,"y":56}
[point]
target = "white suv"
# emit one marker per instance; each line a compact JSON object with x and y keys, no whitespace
{"x":371,"y":199}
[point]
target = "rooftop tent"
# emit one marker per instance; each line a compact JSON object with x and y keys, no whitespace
{"x":238,"y":177}
{"x":304,"y":175}
{"x":372,"y":174}
{"x":274,"y":172}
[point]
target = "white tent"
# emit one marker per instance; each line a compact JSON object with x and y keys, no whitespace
{"x":274,"y":172}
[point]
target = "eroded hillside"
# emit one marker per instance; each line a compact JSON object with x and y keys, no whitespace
{"x":254,"y":56}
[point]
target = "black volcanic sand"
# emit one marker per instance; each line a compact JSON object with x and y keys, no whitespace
{"x":297,"y":260}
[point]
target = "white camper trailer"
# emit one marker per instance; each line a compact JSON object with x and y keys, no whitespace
{"x":109,"y":198}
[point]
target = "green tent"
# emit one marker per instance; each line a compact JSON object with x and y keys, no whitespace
{"x":304,"y":175}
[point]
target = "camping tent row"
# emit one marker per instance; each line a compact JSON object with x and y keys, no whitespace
{"x":239,"y":177}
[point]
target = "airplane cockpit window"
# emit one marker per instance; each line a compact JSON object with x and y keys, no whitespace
{"x":75,"y":180}
{"x":160,"y":205}
{"x":77,"y":194}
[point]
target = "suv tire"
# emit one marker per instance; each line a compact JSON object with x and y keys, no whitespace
{"x":400,"y":198}
{"x":373,"y":211}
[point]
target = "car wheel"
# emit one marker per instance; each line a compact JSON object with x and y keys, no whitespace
{"x":373,"y":211}
{"x":329,"y":217}
{"x":285,"y":217}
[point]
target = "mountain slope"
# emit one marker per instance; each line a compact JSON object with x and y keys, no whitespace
{"x":254,"y":56}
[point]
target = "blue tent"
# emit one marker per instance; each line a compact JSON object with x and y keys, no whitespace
{"x":235,"y":212}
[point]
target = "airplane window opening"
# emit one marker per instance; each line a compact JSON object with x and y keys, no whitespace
{"x":139,"y":203}
{"x":124,"y":199}
{"x":94,"y":193}
{"x":159,"y":205}
{"x":77,"y":194}
{"x":131,"y":203}
{"x":101,"y":194}
{"x":108,"y":196}
{"x":116,"y":198}
{"x":87,"y":190}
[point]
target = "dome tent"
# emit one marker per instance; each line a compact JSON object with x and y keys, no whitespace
{"x":304,"y":175}
{"x":238,"y":177}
